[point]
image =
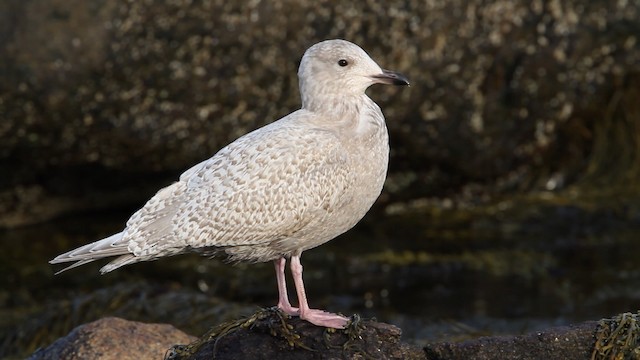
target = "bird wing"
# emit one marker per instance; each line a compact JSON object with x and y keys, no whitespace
{"x":261,"y":188}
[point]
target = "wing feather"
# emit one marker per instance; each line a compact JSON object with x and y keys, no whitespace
{"x":257,"y":191}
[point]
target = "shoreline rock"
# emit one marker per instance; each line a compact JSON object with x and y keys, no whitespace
{"x":269,"y":334}
{"x":113,"y":338}
{"x":563,"y":342}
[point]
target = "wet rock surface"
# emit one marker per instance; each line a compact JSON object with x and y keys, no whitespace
{"x":565,"y":342}
{"x":104,"y":102}
{"x":269,"y":334}
{"x":265,"y":335}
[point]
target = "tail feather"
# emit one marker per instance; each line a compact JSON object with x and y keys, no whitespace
{"x":76,"y":264}
{"x":118,"y":262}
{"x":110,"y":246}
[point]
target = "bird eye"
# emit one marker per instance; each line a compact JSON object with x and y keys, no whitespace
{"x":343,"y":62}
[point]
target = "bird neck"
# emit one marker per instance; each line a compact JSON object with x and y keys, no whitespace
{"x":342,"y":104}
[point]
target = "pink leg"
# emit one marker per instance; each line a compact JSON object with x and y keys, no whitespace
{"x":316,"y":317}
{"x":283,"y":298}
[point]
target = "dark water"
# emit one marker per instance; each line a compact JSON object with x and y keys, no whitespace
{"x":440,"y":273}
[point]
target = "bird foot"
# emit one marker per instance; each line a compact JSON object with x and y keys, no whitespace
{"x":288,"y":309}
{"x":325,"y":319}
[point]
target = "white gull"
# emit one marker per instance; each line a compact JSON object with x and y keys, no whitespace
{"x":280,"y":190}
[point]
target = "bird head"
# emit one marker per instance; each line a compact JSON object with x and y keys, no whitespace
{"x":340,"y":68}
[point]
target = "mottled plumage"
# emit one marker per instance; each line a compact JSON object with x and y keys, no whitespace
{"x":280,"y":190}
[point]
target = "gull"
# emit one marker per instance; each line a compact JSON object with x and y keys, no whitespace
{"x":282,"y":189}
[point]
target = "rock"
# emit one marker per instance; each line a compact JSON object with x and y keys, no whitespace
{"x":114,"y":338}
{"x":22,"y":332}
{"x":103,"y":102}
{"x":269,"y":334}
{"x":565,"y":342}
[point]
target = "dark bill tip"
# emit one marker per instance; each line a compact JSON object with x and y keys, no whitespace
{"x":391,"y":78}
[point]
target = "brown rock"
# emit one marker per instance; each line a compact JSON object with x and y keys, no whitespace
{"x":114,"y":338}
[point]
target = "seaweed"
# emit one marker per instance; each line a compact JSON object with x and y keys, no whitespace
{"x":617,"y":338}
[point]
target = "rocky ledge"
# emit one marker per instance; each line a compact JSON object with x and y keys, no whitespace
{"x":268,"y":334}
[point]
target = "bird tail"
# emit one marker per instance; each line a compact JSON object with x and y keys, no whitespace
{"x":110,"y":246}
